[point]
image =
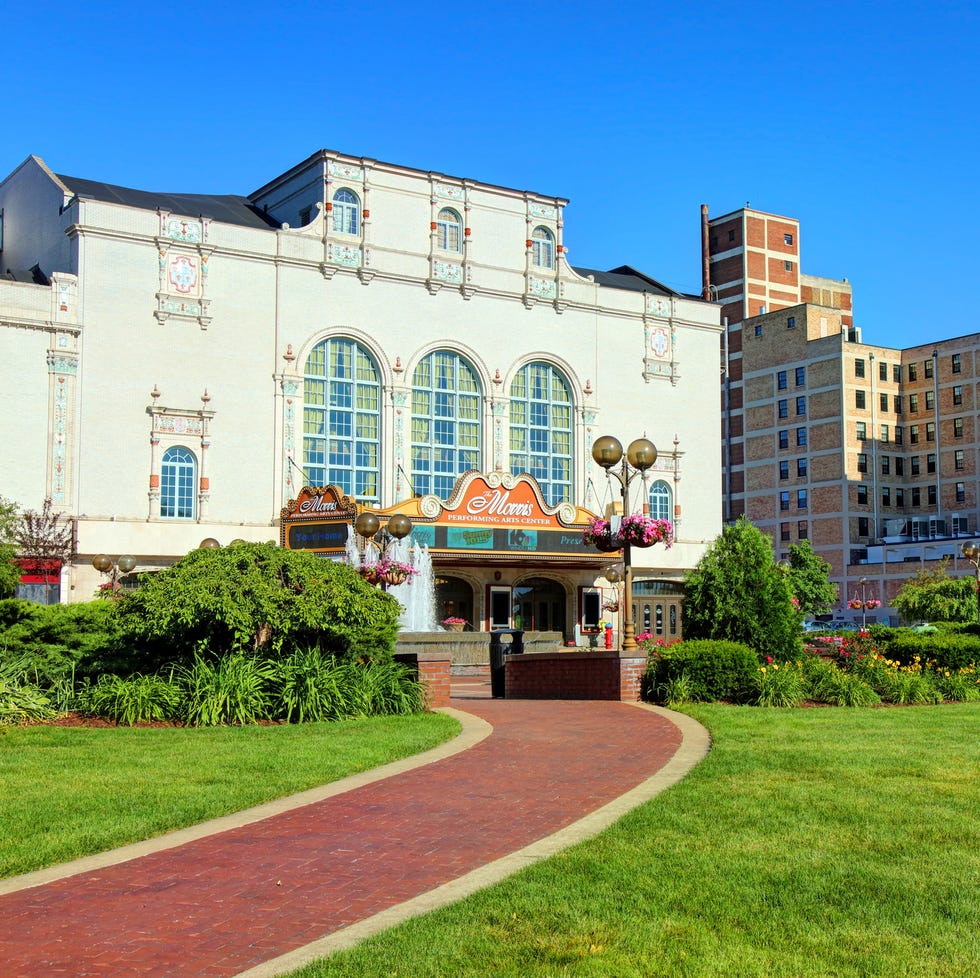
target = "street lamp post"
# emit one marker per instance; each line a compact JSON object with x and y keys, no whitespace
{"x":368,"y":526}
{"x":607,"y":451}
{"x":864,"y":603}
{"x":972,"y":553}
{"x":112,"y":569}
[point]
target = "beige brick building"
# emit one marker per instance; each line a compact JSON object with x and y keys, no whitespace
{"x":869,"y":452}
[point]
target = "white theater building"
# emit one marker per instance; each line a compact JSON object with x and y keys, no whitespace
{"x":175,"y":367}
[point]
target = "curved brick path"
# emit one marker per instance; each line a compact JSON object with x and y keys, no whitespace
{"x":232,"y":902}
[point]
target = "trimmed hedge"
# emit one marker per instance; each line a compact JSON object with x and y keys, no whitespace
{"x":713,"y":669}
{"x":949,"y":651}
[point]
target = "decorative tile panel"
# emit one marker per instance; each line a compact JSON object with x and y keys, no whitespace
{"x":543,"y":211}
{"x":659,"y":305}
{"x":340,"y":254}
{"x":447,"y":271}
{"x":62,"y":368}
{"x":450,"y":192}
{"x":543,"y":288}
{"x":346,"y":171}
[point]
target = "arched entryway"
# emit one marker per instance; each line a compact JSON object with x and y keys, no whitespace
{"x":454,"y":598}
{"x":539,"y":605}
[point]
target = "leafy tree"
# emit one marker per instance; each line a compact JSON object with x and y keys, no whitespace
{"x":809,"y":580}
{"x":257,"y":597}
{"x":932,"y":595}
{"x":9,"y":571}
{"x":737,"y":592}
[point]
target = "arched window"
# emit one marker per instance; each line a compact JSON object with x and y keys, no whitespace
{"x":342,"y":419}
{"x":178,"y":473}
{"x":542,"y":248}
{"x":449,"y":230}
{"x":661,"y":501}
{"x":446,"y":422}
{"x":541,"y":429}
{"x":346,"y":211}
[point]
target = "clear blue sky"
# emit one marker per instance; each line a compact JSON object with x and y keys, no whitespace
{"x":860,"y":119}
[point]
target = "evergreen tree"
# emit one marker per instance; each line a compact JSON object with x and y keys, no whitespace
{"x":809,"y":580}
{"x":738,"y":592}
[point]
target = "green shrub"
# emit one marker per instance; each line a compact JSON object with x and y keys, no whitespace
{"x":839,"y":687}
{"x":944,"y":651}
{"x":962,"y":686}
{"x":258,"y":598}
{"x":59,"y":640}
{"x":715,"y":669}
{"x":134,"y":699}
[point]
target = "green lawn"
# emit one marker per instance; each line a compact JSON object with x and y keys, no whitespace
{"x":70,"y":792}
{"x":809,"y":843}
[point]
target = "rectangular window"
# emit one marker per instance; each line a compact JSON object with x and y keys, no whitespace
{"x":784,"y":531}
{"x":899,"y":498}
{"x":897,"y":373}
{"x":898,"y":403}
{"x":860,"y":400}
{"x":899,"y":465}
{"x":883,"y":371}
{"x":787,"y":266}
{"x":791,"y":322}
{"x":961,"y":492}
{"x":784,"y":500}
{"x":916,"y":496}
{"x":930,"y":463}
{"x":886,"y":466}
{"x":886,"y":496}
{"x":957,"y":394}
{"x":787,"y":239}
{"x":913,"y":371}
{"x":955,"y":361}
{"x":784,"y":469}
{"x":801,"y":499}
{"x":862,"y":462}
{"x":803,"y":529}
{"x":862,"y":495}
{"x":927,"y":366}
{"x":913,"y":403}
{"x":931,"y":493}
{"x":914,"y":463}
{"x":899,"y":434}
{"x":883,"y":401}
{"x":861,"y":431}
{"x":731,"y":235}
{"x":758,"y":329}
{"x":859,"y":368}
{"x":958,"y":459}
{"x":800,"y":437}
{"x":930,"y":400}
{"x":914,"y":434}
{"x":957,"y":427}
{"x":862,"y":526}
{"x":800,"y":376}
{"x":801,"y":405}
{"x":784,"y":438}
{"x":801,"y":468}
{"x":884,"y":433}
{"x":783,"y":408}
{"x":931,"y":431}
{"x":781,"y":380}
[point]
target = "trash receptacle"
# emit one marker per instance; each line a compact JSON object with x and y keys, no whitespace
{"x":498,"y":649}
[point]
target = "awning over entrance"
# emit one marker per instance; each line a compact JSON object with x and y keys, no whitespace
{"x":489,"y":518}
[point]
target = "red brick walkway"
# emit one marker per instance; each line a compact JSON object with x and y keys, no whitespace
{"x":223,"y":904}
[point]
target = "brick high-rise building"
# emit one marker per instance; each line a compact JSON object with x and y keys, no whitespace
{"x":869,"y":452}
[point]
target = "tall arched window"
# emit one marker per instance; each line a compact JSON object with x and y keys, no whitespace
{"x":449,"y":230}
{"x":541,"y":429}
{"x":542,"y":248}
{"x":342,"y":419}
{"x":446,"y":422}
{"x":661,"y":501}
{"x":346,"y":211}
{"x":178,"y":473}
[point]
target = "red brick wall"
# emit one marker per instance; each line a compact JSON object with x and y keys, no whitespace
{"x":574,"y":676}
{"x":433,"y":671}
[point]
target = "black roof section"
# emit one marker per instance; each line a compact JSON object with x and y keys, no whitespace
{"x":627,"y":277}
{"x":227,"y":208}
{"x":32,"y":276}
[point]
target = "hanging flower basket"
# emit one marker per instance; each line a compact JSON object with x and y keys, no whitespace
{"x":855,"y":604}
{"x":611,"y":606}
{"x":388,"y":572}
{"x":638,"y":531}
{"x":369,"y":572}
